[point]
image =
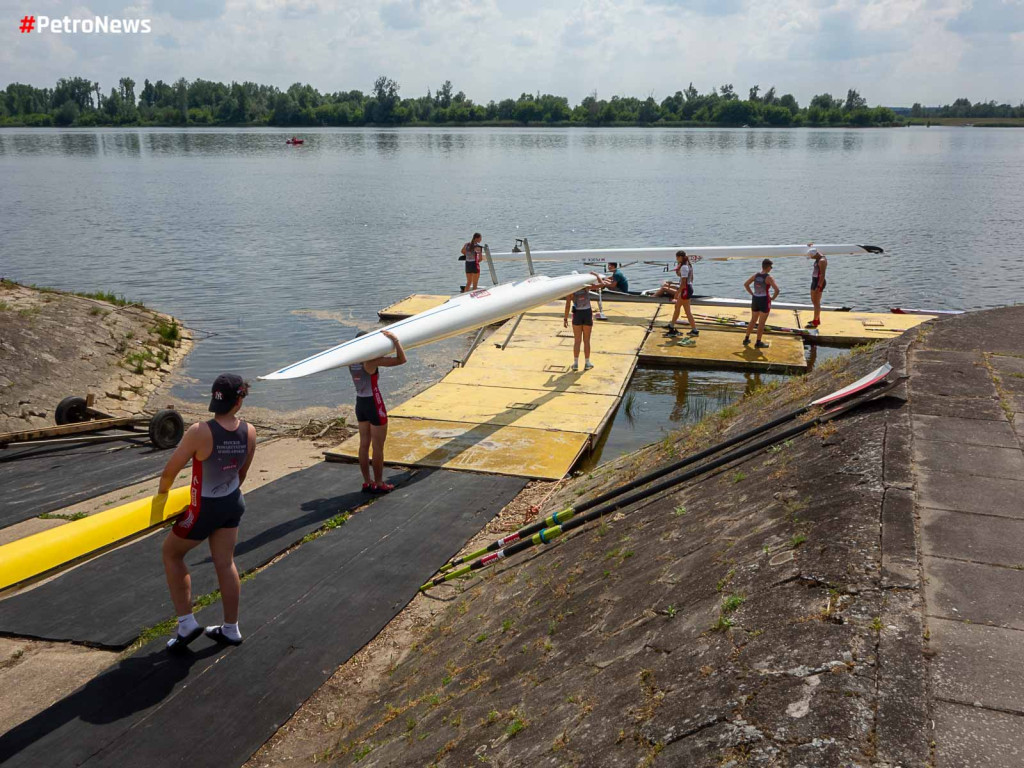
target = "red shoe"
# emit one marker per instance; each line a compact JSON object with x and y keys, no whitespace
{"x":367,"y":487}
{"x":382,"y":488}
{"x":813,"y":324}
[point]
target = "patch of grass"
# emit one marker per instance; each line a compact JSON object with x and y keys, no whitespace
{"x":492,"y":717}
{"x":724,"y":581}
{"x":506,"y":625}
{"x":602,"y":529}
{"x":723,"y":623}
{"x":670,"y":611}
{"x":334,"y":522}
{"x":732,"y":603}
{"x":679,"y":511}
{"x":738,"y":477}
{"x":363,"y":751}
{"x":410,"y":723}
{"x":4,"y":306}
{"x":876,"y":624}
{"x":515,"y":727}
{"x":797,"y":540}
{"x":109,"y":297}
{"x":481,"y":637}
{"x":169,"y":333}
{"x":58,"y":516}
{"x":29,"y":312}
{"x":137,"y":361}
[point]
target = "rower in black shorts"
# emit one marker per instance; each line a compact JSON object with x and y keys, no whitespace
{"x":372,"y":416}
{"x":221,"y":452}
{"x":473,"y":252}
{"x":760,"y":302}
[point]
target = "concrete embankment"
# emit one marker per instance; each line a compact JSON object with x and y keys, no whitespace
{"x":830,"y":601}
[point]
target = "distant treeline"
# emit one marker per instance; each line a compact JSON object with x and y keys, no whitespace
{"x":76,"y":101}
{"x":964,"y":108}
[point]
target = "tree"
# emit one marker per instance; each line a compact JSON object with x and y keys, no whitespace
{"x":769,"y":96}
{"x":789,"y":102}
{"x":916,"y":110}
{"x":727,"y":91}
{"x":754,"y":90}
{"x":68,"y":113}
{"x":823,"y":101}
{"x":854,"y":101}
{"x":444,"y":95}
{"x":385,"y":93}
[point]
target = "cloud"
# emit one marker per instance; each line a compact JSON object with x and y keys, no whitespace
{"x":994,"y":17}
{"x":403,"y":14}
{"x":191,"y":10}
{"x":703,"y":7}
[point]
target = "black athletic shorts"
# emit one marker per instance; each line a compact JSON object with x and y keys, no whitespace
{"x":814,"y":285}
{"x":761,"y":304}
{"x":368,"y":409}
{"x":686,"y":292}
{"x":582,"y":316}
{"x":472,"y":268}
{"x":209,"y":514}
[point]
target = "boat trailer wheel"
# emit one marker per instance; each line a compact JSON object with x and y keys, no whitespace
{"x":166,"y":428}
{"x":71,"y":410}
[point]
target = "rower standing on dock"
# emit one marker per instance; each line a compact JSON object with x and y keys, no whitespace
{"x":760,"y":302}
{"x":372,"y":416}
{"x":817,"y":284}
{"x":582,"y":320}
{"x":472,"y":252}
{"x":221,"y":452}
{"x":683,"y":294}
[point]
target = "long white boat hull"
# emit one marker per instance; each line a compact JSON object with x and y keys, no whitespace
{"x":456,"y":316}
{"x":714,"y":252}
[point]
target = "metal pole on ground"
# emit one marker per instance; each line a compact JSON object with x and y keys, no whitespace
{"x":529,"y":259}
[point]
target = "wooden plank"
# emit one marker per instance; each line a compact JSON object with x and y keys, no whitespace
{"x":723,"y":349}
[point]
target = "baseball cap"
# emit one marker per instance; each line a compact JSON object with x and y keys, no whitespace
{"x":227,"y":389}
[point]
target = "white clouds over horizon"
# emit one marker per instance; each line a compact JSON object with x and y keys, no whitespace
{"x":893,"y":51}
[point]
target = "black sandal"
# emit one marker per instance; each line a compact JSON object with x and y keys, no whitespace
{"x":179,"y":643}
{"x":217,"y":635}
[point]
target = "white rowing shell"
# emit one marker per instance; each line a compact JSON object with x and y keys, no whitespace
{"x":714,"y":252}
{"x":460,"y":314}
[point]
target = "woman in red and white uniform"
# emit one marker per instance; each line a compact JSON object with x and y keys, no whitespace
{"x":817,"y":284}
{"x":372,"y":416}
{"x":221,"y":451}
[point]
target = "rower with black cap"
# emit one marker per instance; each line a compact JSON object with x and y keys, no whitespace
{"x":221,"y":451}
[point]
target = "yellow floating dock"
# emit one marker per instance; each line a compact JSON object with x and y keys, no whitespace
{"x":522,"y":411}
{"x":840,"y":329}
{"x":785,"y":354}
{"x":411,"y":305}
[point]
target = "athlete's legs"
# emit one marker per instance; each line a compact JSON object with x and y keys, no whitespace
{"x":753,"y":319}
{"x":762,"y":318}
{"x":179,"y":582}
{"x":377,"y":436}
{"x":577,"y":337}
{"x":471,"y":280}
{"x":364,"y":450}
{"x":675,"y":311}
{"x":816,"y":301}
{"x":586,"y":341}
{"x":689,"y":314}
{"x":222,"y":550}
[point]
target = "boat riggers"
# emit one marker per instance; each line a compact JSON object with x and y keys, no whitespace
{"x":550,"y":528}
{"x":734,"y":323}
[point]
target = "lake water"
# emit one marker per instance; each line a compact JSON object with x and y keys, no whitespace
{"x":277,"y":252}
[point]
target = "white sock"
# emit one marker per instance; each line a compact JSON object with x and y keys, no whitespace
{"x":231,"y":631}
{"x":575,"y":361}
{"x":588,"y":361}
{"x":187,"y":624}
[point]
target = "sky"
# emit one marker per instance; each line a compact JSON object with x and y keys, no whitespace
{"x":895,"y":52}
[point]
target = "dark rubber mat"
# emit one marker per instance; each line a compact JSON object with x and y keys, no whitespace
{"x":38,"y":480}
{"x":109,"y":600}
{"x":302,"y":618}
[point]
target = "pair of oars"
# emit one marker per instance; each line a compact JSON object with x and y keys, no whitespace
{"x":548,"y":529}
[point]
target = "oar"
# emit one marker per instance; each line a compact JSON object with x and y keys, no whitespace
{"x":547,"y":535}
{"x":734,"y":323}
{"x":565,"y":515}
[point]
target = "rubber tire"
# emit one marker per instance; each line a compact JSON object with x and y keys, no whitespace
{"x":166,"y":428}
{"x":71,"y":410}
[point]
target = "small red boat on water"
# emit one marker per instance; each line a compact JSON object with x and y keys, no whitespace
{"x":295,"y":141}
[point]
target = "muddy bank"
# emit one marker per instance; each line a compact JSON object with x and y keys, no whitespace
{"x":733,"y":621}
{"x":55,"y":344}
